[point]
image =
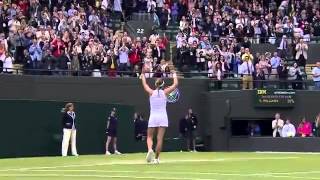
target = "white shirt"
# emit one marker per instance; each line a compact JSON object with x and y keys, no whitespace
{"x":277,"y":124}
{"x":192,"y":39}
{"x":117,"y":6}
{"x":104,"y":4}
{"x":316,"y":71}
{"x":151,"y":4}
{"x":8,"y":63}
{"x":180,"y":40}
{"x":123,"y":57}
{"x":73,"y":115}
{"x":288,"y":130}
{"x":160,"y":3}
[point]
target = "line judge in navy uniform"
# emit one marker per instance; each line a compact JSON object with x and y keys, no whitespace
{"x":69,"y":130}
{"x":112,"y":125}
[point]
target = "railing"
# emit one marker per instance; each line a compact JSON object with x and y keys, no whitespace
{"x":231,"y":81}
{"x":26,"y":71}
{"x":237,"y":84}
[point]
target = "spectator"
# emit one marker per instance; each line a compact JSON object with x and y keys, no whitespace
{"x":8,"y":63}
{"x":27,"y":62}
{"x":47,"y":62}
{"x":247,"y":54}
{"x":283,"y":47}
{"x":63,"y":62}
{"x":111,"y":63}
{"x":57,"y":46}
{"x":304,"y":128}
{"x":19,"y":42}
{"x":288,"y":129}
{"x":123,"y":59}
{"x":283,"y":75}
{"x":277,"y":125}
{"x":36,"y":54}
{"x":316,"y":126}
{"x":246,"y":70}
{"x":174,"y":12}
{"x":316,"y":75}
{"x":275,"y":63}
{"x":301,"y":54}
{"x":140,"y":127}
{"x":316,"y":27}
{"x":264,"y":66}
{"x":254,"y":129}
{"x":295,"y":76}
{"x":259,"y":78}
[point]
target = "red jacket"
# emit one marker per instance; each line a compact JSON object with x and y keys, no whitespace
{"x":24,"y":8}
{"x":134,"y":57}
{"x":57,"y":46}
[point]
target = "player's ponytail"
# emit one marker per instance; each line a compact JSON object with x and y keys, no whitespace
{"x":159,"y":83}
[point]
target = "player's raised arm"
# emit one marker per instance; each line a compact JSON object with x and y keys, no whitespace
{"x":145,"y":84}
{"x":173,"y":86}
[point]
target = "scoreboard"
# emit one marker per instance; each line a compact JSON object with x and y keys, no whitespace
{"x":274,"y":98}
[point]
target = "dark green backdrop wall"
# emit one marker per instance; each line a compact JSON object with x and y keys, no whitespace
{"x":33,"y":128}
{"x":95,"y":97}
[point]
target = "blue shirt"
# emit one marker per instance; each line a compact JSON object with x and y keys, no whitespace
{"x":275,"y":62}
{"x":316,"y":71}
{"x":35,"y":52}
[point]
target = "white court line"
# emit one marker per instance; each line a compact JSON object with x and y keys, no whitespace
{"x":135,"y":162}
{"x":278,"y":152}
{"x":290,"y":177}
{"x":99,"y":176}
{"x":177,"y":172}
{"x":160,"y":172}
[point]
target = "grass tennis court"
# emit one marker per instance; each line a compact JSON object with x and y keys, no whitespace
{"x":177,"y":166}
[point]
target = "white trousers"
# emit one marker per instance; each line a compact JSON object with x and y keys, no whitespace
{"x":69,"y":135}
{"x":275,"y":132}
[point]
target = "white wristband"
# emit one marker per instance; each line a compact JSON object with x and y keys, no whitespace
{"x":174,"y":75}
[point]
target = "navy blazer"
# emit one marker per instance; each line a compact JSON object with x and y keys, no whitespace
{"x":68,"y":121}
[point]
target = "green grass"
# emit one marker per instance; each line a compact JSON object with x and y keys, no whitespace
{"x":177,"y":166}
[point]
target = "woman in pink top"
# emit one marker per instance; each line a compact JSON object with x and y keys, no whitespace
{"x":304,"y":128}
{"x":263,"y":65}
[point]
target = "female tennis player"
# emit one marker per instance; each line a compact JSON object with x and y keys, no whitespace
{"x":158,"y":120}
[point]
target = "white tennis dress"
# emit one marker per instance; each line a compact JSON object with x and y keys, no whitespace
{"x":158,"y":109}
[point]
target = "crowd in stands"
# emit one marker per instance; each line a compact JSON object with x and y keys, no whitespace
{"x":56,"y":36}
{"x":215,"y":37}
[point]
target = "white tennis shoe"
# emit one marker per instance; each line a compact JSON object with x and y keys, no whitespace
{"x":156,"y":161}
{"x":150,"y":156}
{"x":117,"y":153}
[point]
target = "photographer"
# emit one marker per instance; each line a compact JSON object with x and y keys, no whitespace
{"x":200,"y":54}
